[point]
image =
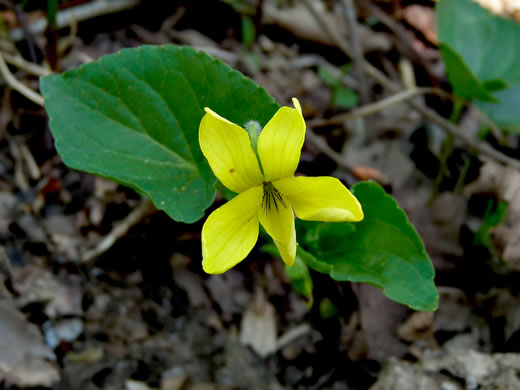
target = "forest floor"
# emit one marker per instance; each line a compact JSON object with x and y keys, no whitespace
{"x":101,"y":292}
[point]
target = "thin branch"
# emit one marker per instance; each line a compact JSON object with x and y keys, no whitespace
{"x":320,"y":144}
{"x":403,"y":39}
{"x":455,"y":131}
{"x":340,"y":42}
{"x":372,"y":108}
{"x":29,"y":67}
{"x":17,"y":85}
{"x":77,"y":13}
{"x":430,"y":114}
{"x":351,"y":20}
{"x":136,"y":215}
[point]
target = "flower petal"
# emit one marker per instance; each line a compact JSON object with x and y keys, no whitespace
{"x":280,"y":142}
{"x":277,"y":218}
{"x":228,"y":150}
{"x":320,"y":199}
{"x":231,"y":231}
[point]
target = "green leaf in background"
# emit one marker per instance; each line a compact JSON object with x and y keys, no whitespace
{"x":494,"y":216}
{"x":327,"y":77}
{"x":464,"y":82}
{"x":300,"y":276}
{"x":134,"y":116}
{"x":344,"y":98}
{"x":507,"y":113}
{"x":489,"y":44}
{"x":481,"y":50}
{"x":327,"y":309}
{"x":248,"y":31}
{"x":383,"y":250}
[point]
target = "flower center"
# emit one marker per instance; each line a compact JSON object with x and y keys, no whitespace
{"x":272,"y":198}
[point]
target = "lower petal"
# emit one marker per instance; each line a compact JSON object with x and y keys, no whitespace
{"x":320,"y":199}
{"x":231,"y":231}
{"x":277,"y":218}
{"x":287,"y":250}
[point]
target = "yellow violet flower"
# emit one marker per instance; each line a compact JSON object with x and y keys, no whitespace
{"x":267,"y":190}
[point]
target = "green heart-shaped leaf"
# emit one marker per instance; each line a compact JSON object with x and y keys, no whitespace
{"x":383,"y":250}
{"x":489,"y":44}
{"x":506,"y":113}
{"x":134,"y":117}
{"x":464,"y":82}
{"x":481,"y":51}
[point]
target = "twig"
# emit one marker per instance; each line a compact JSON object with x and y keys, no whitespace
{"x":78,"y":13}
{"x":403,"y":37}
{"x":372,"y":108}
{"x":488,"y":121}
{"x":17,"y":85}
{"x":351,"y":20}
{"x":320,"y":144}
{"x":455,"y":131}
{"x":136,"y":215}
{"x":29,"y":67}
{"x":24,"y":30}
{"x":32,"y":166}
{"x":340,"y":42}
{"x":380,"y":77}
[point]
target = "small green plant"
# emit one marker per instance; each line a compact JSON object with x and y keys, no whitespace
{"x":342,"y":97}
{"x":167,"y":122}
{"x":495,"y":214}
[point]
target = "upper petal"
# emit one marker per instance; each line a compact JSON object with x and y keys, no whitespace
{"x":231,"y":231}
{"x":320,"y":199}
{"x":280,"y":142}
{"x":277,"y":218}
{"x":228,"y":150}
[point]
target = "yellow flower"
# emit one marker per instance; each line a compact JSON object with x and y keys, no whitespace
{"x":267,"y":190}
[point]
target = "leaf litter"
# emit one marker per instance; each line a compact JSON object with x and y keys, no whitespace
{"x":143,"y":316}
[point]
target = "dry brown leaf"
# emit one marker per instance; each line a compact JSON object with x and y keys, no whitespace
{"x":258,"y":327}
{"x":302,"y":23}
{"x":379,"y":318}
{"x":193,"y":285}
{"x":35,"y":284}
{"x":367,"y":173}
{"x":25,"y":360}
{"x":419,"y":326}
{"x":178,"y":382}
{"x":423,"y":19}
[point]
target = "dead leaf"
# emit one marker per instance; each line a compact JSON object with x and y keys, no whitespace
{"x":379,"y":319}
{"x":367,"y":173}
{"x":406,"y":376}
{"x":423,"y":19}
{"x":7,"y":209}
{"x":419,"y":326}
{"x":454,"y":311}
{"x":25,"y":360}
{"x":228,"y":291}
{"x":136,"y":385}
{"x":174,"y":380}
{"x":299,"y":20}
{"x":258,"y":327}
{"x":193,"y":285}
{"x":35,"y":284}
